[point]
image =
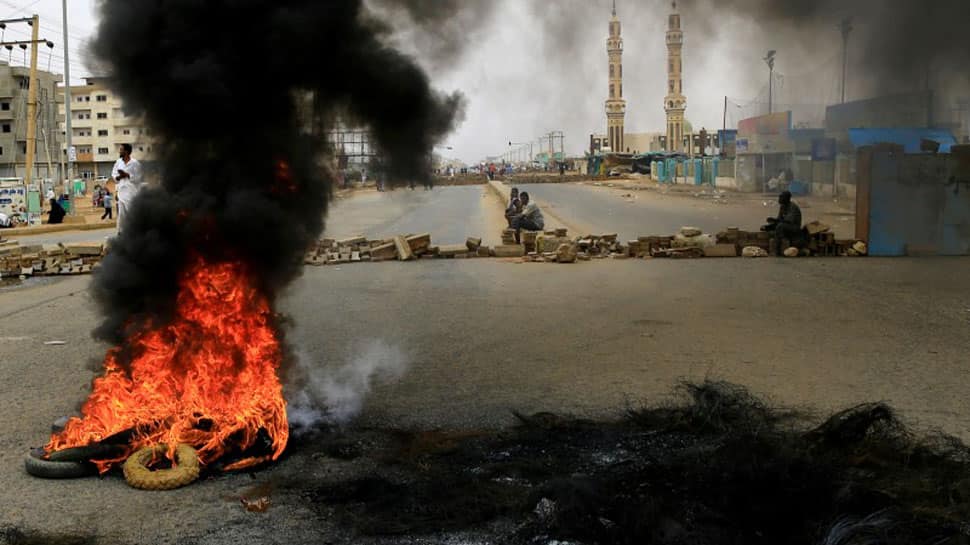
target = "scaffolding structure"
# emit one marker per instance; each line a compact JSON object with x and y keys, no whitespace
{"x":352,"y":148}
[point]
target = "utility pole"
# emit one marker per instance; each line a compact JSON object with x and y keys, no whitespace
{"x":32,"y":102}
{"x":71,"y":157}
{"x":31,"y":151}
{"x":725,"y":114}
{"x":846,"y":28}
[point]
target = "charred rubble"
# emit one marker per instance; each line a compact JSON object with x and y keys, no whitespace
{"x":722,"y":467}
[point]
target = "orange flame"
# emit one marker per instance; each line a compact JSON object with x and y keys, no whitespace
{"x":208,"y":378}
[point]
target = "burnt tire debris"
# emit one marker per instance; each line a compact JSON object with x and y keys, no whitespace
{"x":723,"y":467}
{"x":139,"y":474}
{"x":37,"y":466}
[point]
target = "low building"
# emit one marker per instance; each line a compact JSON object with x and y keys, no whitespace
{"x":99,"y":125}
{"x":634,"y":143}
{"x":14,"y":83}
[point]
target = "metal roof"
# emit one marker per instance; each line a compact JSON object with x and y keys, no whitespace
{"x":908,"y":138}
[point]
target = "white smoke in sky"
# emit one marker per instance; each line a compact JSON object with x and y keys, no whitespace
{"x":334,"y":396}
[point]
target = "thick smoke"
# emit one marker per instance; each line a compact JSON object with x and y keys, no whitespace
{"x":224,"y":86}
{"x":439,"y":29}
{"x":895,"y":45}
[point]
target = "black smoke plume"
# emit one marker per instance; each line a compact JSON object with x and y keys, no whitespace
{"x":895,"y":45}
{"x":237,"y":92}
{"x":440,"y":29}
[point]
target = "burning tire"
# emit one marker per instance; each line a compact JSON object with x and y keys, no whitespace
{"x":50,"y":469}
{"x":139,"y":475}
{"x":84,"y":454}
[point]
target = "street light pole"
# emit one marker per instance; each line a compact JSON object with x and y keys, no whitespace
{"x":770,"y":61}
{"x":846,"y":28}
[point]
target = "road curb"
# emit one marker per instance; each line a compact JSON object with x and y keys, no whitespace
{"x":501,"y":190}
{"x":45,"y":229}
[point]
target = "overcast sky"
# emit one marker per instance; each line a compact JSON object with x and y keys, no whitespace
{"x":528,"y":67}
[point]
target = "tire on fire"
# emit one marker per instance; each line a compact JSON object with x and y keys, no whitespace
{"x":84,"y":454}
{"x":49,"y":469}
{"x":139,"y":475}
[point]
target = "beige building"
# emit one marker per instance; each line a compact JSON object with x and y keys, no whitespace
{"x":615,"y":105}
{"x":675,"y":103}
{"x":14,"y":82}
{"x":99,"y":126}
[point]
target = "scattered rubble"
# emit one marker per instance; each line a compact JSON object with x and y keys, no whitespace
{"x":754,"y":251}
{"x":49,"y":259}
{"x":552,"y":246}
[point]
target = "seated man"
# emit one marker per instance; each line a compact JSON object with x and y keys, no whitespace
{"x":788,"y":224}
{"x":514,"y":207}
{"x":529,"y":219}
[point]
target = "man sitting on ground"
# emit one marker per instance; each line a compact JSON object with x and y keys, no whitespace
{"x":514,"y":208}
{"x":788,"y":224}
{"x":530,"y":219}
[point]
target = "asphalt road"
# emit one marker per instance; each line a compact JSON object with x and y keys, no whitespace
{"x":459,"y":344}
{"x":589,"y":209}
{"x":451,"y":214}
{"x":466,"y":342}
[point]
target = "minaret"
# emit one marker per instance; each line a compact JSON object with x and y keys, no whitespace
{"x":675,"y":102}
{"x":615,"y":105}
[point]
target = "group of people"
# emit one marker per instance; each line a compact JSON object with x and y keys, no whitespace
{"x":523,"y":214}
{"x":127,"y":175}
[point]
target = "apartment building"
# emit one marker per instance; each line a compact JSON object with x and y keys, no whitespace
{"x":99,"y":125}
{"x":14,"y":82}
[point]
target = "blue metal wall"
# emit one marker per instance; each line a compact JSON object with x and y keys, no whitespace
{"x":918,"y":204}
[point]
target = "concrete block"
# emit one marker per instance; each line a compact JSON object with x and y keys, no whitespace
{"x":451,"y":250}
{"x":509,"y":250}
{"x":351,"y":241}
{"x":404,"y":252}
{"x":419,"y":243}
{"x":385,"y":251}
{"x":721,"y":250}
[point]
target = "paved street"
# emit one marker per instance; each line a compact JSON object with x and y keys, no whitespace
{"x":485,"y":337}
{"x":591,"y":209}
{"x":480,"y":338}
{"x":451,"y":213}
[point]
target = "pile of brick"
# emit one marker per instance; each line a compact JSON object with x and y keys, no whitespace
{"x":821,"y":242}
{"x":733,"y":241}
{"x":508,"y":237}
{"x":400,"y":248}
{"x":556,"y":247}
{"x":49,"y":259}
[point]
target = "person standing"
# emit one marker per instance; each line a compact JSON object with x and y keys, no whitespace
{"x":128,"y":177}
{"x":106,"y":202}
{"x":56,"y":214}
